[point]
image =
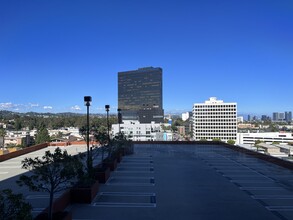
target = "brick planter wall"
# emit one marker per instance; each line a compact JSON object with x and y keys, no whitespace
{"x":84,"y":194}
{"x":59,"y":205}
{"x":102,"y":175}
{"x":112,"y":165}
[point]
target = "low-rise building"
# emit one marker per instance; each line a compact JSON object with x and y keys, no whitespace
{"x":137,"y":131}
{"x":266,"y":137}
{"x":164,"y":136}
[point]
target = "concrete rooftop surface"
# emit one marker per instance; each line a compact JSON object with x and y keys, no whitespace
{"x":202,"y":182}
{"x":177,"y":181}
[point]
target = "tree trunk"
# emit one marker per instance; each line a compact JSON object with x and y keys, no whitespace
{"x":50,"y":213}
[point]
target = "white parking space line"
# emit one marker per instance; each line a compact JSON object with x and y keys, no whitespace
{"x":250,"y":181}
{"x":130,"y":184}
{"x":147,"y":196}
{"x":118,"y":171}
{"x":125,"y":205}
{"x":42,"y":196}
{"x":127,"y":193}
{"x":242,"y":175}
{"x":260,"y":188}
{"x":280,"y":208}
{"x":132,"y":178}
{"x":273,"y":197}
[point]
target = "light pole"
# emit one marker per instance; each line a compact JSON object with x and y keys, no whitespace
{"x":87,"y":103}
{"x":107,"y":108}
{"x":119,"y":118}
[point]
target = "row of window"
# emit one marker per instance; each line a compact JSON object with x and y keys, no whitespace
{"x":215,"y":130}
{"x":261,"y":138}
{"x":221,"y":138}
{"x":215,"y":117}
{"x":200,"y":135}
{"x":206,"y":128}
{"x":215,"y":110}
{"x":215,"y":106}
{"x":214,"y":113}
{"x":222,"y":124}
{"x":215,"y":120}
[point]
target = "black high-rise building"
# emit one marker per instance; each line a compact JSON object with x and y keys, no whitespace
{"x":140,"y":95}
{"x":288,"y":116}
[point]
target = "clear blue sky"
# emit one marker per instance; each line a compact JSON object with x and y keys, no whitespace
{"x":54,"y":52}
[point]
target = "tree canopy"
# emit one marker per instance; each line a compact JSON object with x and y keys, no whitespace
{"x":13,"y":206}
{"x":52,"y":173}
{"x":42,"y":135}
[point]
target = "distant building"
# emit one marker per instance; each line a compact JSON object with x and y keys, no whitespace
{"x":248,"y":118}
{"x":267,"y":137}
{"x":265,"y":118}
{"x":186,"y":115}
{"x":240,"y":119}
{"x":164,"y":136}
{"x":27,"y":140}
{"x":137,"y":131}
{"x":140,"y":95}
{"x":181,"y":130}
{"x":15,"y":138}
{"x":246,"y":126}
{"x":215,"y":119}
{"x":288,"y":116}
{"x":282,"y":116}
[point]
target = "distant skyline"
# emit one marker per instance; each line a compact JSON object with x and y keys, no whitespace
{"x":53,"y":53}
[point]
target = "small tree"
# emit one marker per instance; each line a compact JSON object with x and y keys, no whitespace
{"x":256,"y":144}
{"x":13,"y":206}
{"x":216,"y":139}
{"x":42,"y":135}
{"x":121,"y":142}
{"x":102,"y":138}
{"x":232,"y":142}
{"x":53,"y":173}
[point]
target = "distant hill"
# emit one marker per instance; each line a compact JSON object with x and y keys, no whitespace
{"x":11,"y":114}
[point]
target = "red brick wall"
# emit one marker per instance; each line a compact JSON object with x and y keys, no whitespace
{"x":22,"y":151}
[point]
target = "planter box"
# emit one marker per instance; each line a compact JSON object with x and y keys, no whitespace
{"x":111,"y":164}
{"x":84,"y":194}
{"x":102,"y":174}
{"x":119,"y":157}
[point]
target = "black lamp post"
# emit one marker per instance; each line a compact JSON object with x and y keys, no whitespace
{"x":87,"y":103}
{"x":107,"y":108}
{"x":119,"y":118}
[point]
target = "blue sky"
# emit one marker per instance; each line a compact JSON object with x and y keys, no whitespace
{"x":54,"y":52}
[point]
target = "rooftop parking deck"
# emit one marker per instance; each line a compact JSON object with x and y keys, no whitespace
{"x":192,"y":182}
{"x":183,"y":181}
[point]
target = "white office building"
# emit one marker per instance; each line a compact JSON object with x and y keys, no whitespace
{"x":266,"y":137}
{"x":185,"y":116}
{"x":137,"y":131}
{"x":215,"y":119}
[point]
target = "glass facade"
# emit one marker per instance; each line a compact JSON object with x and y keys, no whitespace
{"x":140,"y":95}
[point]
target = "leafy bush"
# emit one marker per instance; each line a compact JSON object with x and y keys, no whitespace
{"x":13,"y":206}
